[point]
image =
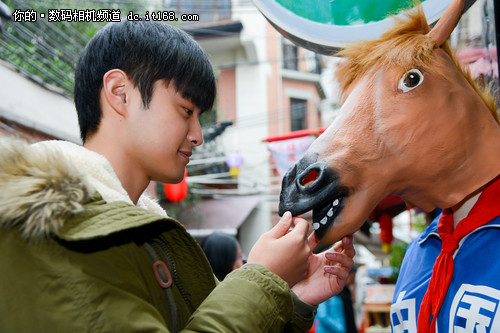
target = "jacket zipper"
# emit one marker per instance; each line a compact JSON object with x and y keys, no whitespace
{"x":161,"y":242}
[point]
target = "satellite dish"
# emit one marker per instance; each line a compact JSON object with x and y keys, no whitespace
{"x":325,"y":26}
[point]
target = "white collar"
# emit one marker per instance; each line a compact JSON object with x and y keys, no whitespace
{"x":465,"y":209}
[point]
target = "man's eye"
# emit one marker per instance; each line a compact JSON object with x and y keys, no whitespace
{"x":189,"y":112}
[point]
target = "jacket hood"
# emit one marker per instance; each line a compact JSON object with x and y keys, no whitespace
{"x":40,"y":188}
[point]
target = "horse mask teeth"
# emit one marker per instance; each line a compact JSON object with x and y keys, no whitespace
{"x":323,"y":217}
{"x":330,"y":213}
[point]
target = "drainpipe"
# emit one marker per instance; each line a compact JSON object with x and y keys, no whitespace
{"x":496,"y":8}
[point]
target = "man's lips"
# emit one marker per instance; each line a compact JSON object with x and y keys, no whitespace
{"x":186,"y":154}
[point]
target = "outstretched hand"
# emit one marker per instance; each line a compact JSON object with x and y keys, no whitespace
{"x":328,"y":271}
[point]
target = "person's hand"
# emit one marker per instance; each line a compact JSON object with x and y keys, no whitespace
{"x":284,"y":252}
{"x":328,"y":271}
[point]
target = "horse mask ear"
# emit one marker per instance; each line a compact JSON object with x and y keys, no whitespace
{"x":444,"y":27}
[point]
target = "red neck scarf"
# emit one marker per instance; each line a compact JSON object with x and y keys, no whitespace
{"x":486,"y":209}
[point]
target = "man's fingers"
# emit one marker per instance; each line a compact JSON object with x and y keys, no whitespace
{"x":313,"y":241}
{"x":347,"y":244}
{"x":340,"y":258}
{"x":341,"y":273}
{"x":282,"y":227}
{"x":301,"y":226}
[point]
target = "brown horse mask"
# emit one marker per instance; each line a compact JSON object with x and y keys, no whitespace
{"x":412,"y":124}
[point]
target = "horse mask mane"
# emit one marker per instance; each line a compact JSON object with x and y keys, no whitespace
{"x":406,"y":45}
{"x":412,"y":124}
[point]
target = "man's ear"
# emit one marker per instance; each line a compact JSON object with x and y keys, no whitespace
{"x":115,"y":87}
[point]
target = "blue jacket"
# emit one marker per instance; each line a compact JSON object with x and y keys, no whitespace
{"x":473,"y":299}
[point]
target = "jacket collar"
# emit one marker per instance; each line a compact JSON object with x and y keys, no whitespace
{"x":48,"y":184}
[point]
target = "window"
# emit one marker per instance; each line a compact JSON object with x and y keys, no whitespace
{"x":312,"y":62}
{"x":290,"y":57}
{"x":298,"y":113}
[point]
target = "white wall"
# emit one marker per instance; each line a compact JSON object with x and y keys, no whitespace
{"x":252,"y":114}
{"x":26,"y":102}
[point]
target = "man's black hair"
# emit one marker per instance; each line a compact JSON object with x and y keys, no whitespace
{"x":147,"y":51}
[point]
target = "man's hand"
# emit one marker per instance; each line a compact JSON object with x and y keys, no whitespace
{"x":328,"y":271}
{"x":284,"y":252}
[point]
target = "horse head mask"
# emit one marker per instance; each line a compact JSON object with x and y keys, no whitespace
{"x":412,"y":124}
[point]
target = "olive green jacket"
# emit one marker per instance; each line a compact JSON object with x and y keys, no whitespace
{"x":73,"y":262}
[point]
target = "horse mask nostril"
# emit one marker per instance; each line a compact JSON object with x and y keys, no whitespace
{"x":310,"y":178}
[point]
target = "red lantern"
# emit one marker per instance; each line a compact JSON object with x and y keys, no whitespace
{"x":385,"y":222}
{"x":177,"y":192}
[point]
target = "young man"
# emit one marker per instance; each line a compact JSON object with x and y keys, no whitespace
{"x":83,"y":250}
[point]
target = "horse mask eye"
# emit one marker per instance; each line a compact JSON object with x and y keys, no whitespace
{"x":410,"y":80}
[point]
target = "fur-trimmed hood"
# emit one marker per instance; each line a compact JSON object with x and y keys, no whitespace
{"x":44,"y":184}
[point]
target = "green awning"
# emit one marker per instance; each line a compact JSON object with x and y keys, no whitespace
{"x":324,"y":26}
{"x":345,"y":12}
